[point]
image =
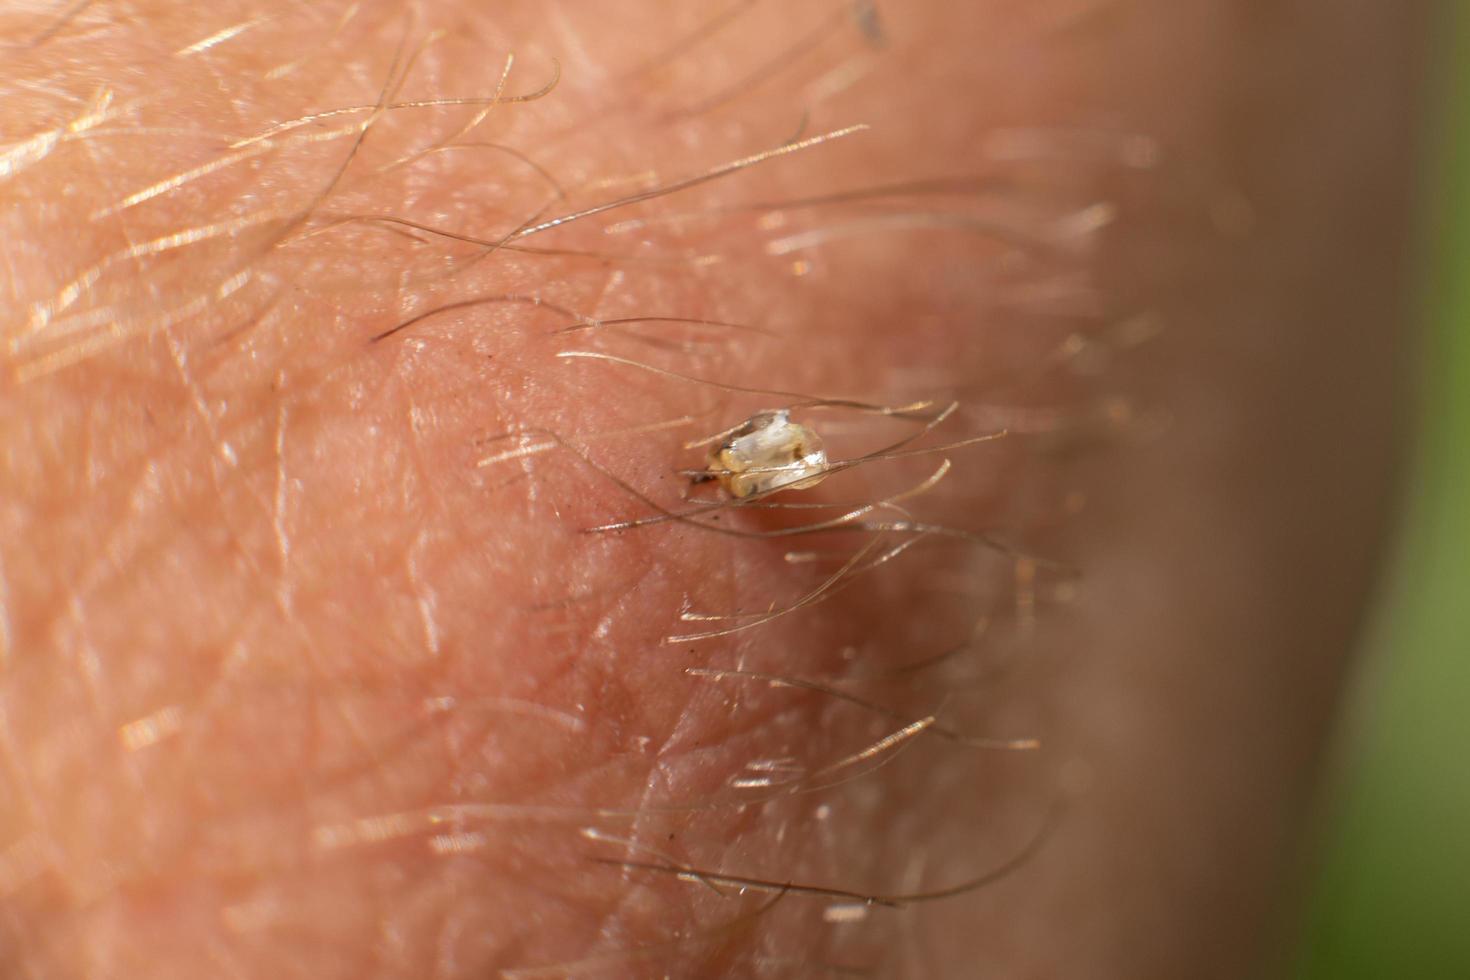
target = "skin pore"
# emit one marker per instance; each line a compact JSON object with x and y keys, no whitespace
{"x":359,"y":615}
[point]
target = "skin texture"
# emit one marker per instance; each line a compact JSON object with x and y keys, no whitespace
{"x":311,"y":666}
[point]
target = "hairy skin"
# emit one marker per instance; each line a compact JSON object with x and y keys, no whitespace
{"x":311,"y":666}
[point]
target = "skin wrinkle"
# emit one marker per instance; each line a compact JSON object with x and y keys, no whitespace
{"x":283,"y":605}
{"x":278,"y":510}
{"x":5,"y":627}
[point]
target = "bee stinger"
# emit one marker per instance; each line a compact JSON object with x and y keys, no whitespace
{"x":768,"y":452}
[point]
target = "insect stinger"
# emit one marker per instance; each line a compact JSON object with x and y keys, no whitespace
{"x":768,"y":452}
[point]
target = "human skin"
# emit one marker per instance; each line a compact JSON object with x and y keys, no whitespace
{"x":314,"y":662}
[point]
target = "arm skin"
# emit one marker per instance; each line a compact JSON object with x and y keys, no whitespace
{"x":310,"y":665}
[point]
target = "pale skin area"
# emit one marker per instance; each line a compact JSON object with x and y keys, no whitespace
{"x":292,"y":686}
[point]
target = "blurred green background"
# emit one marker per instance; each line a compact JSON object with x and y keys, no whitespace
{"x":1392,"y":896}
